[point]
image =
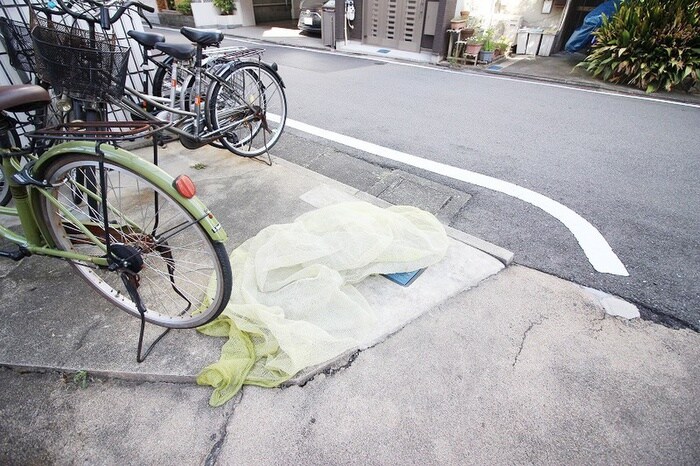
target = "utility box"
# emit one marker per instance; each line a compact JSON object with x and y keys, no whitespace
{"x":528,"y":41}
{"x":328,"y":26}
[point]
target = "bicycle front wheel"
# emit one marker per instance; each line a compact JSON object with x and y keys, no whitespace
{"x":186,"y":277}
{"x":248,"y":103}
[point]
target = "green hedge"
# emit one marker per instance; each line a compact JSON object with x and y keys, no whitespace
{"x":650,"y":44}
{"x":184,"y":7}
{"x":227,"y":7}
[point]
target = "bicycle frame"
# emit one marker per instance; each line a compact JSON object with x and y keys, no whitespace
{"x":35,"y":241}
{"x":186,"y":116}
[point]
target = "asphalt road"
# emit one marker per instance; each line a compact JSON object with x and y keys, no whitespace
{"x":629,"y":166}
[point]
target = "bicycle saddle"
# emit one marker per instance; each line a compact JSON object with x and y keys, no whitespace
{"x":23,"y":97}
{"x":179,"y":51}
{"x":204,"y":37}
{"x":147,"y":39}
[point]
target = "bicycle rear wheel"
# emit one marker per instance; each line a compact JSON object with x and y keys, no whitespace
{"x":249,"y":101}
{"x":186,"y":278}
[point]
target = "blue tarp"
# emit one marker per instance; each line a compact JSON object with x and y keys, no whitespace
{"x":582,"y":37}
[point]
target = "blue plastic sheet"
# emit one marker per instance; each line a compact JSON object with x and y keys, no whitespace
{"x":583,"y":36}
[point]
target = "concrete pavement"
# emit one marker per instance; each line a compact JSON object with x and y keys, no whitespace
{"x":490,"y":362}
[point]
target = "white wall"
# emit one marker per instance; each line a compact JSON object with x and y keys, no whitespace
{"x":530,"y":10}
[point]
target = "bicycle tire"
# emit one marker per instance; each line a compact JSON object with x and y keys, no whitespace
{"x":162,"y":85}
{"x":162,"y":80}
{"x":252,"y":94}
{"x":186,"y":280}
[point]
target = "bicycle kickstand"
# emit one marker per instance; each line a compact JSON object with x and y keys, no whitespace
{"x":131,"y":282}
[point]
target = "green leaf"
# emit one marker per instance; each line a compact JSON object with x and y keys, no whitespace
{"x":625,"y":38}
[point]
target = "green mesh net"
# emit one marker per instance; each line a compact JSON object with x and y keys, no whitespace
{"x":294,"y":305}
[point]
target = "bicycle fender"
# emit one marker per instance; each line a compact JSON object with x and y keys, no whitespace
{"x":152,"y":173}
{"x":271,"y":67}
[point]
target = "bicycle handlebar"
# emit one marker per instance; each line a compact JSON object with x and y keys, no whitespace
{"x":103,"y":17}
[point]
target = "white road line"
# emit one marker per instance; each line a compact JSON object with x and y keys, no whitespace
{"x":594,"y":245}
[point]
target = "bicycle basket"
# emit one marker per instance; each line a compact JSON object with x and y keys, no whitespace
{"x":83,"y":68}
{"x":18,"y":44}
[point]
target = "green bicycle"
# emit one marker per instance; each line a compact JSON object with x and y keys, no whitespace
{"x":140,"y":238}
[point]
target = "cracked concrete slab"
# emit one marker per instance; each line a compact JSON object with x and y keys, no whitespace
{"x":55,"y":321}
{"x":48,"y":419}
{"x":388,"y":183}
{"x":401,"y":188}
{"x":523,"y":369}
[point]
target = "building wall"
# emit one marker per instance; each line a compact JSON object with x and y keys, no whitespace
{"x":530,"y":10}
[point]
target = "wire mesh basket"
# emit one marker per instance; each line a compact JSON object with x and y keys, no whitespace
{"x":74,"y":63}
{"x":18,"y":44}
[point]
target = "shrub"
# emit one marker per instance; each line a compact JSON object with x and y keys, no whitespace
{"x":184,"y":7}
{"x":227,"y":7}
{"x":489,"y":44}
{"x":650,"y":44}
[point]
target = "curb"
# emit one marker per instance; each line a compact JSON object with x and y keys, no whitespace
{"x":576,"y":83}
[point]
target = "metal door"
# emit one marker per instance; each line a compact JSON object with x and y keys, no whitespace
{"x":396,"y":24}
{"x":272,"y":10}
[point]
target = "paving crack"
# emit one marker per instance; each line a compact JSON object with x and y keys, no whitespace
{"x":527,"y":331}
{"x":213,"y":455}
{"x":447,"y":201}
{"x":336,"y":369}
{"x":597,"y":324}
{"x":81,"y":341}
{"x":328,"y":371}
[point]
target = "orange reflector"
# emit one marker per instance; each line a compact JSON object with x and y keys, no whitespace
{"x":184,"y":185}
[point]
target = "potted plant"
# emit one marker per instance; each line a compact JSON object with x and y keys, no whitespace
{"x":226,"y":7}
{"x":501,"y":47}
{"x":458,"y":23}
{"x":220,"y":14}
{"x":470,"y":27}
{"x":474,"y":44}
{"x":487,"y":48}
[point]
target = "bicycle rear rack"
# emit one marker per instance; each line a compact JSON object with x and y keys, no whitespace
{"x":234,"y":53}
